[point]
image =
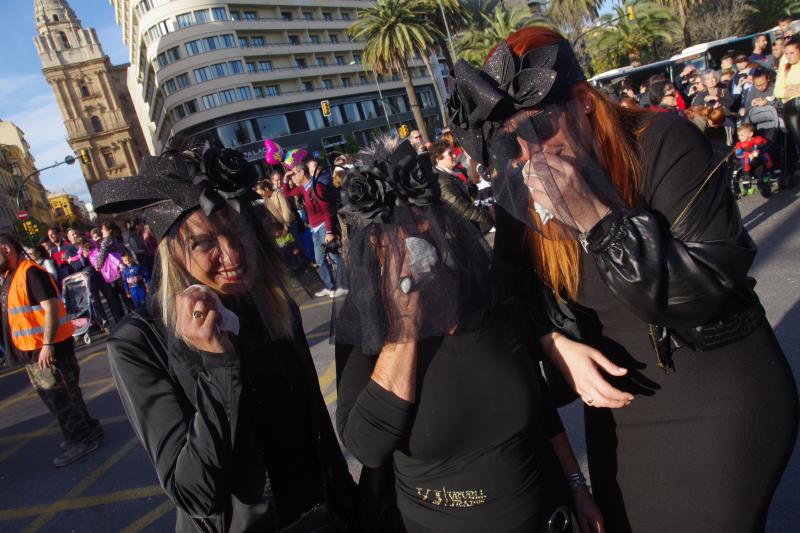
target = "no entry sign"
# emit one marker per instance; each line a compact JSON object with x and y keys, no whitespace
{"x":22,"y":214}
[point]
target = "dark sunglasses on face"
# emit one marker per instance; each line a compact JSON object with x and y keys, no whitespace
{"x":535,"y":129}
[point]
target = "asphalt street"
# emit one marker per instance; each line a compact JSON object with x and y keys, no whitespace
{"x":116,"y":490}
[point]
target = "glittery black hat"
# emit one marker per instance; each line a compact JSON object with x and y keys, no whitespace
{"x":177,"y":182}
{"x":482,"y":99}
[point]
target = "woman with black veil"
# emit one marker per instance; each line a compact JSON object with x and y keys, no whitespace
{"x":436,"y":379}
{"x":621,"y":224}
{"x":218,"y":381}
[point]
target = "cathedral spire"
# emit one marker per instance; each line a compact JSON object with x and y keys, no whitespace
{"x":61,"y":39}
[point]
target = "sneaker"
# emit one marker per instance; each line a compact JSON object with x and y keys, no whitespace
{"x":339,"y":292}
{"x":323,"y":292}
{"x":79,"y":451}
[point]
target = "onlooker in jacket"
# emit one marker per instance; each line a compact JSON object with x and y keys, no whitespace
{"x":454,"y":192}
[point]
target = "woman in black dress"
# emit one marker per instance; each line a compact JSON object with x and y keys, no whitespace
{"x":218,"y":381}
{"x":437,"y":379}
{"x":629,"y":225}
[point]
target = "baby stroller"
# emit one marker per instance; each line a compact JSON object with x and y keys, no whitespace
{"x":769,"y":124}
{"x":78,"y":303}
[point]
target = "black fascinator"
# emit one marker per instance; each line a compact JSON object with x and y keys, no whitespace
{"x":482,"y":99}
{"x":417,"y":268}
{"x":180,"y":180}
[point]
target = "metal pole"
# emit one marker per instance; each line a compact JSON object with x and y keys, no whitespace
{"x":447,"y":29}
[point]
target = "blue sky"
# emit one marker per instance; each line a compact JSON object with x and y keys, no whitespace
{"x":27,"y":100}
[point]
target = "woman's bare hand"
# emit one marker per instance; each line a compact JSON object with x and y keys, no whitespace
{"x":197,"y":321}
{"x":581,"y":364}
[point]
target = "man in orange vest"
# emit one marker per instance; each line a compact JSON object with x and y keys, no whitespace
{"x":38,"y":334}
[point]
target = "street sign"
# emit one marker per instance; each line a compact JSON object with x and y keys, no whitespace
{"x":22,"y":214}
{"x":326,"y":108}
{"x":316,"y":154}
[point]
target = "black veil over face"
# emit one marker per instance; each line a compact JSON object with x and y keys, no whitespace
{"x":417,"y":268}
{"x":518,"y":118}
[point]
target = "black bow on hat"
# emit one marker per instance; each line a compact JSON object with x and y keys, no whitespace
{"x":482,"y":99}
{"x":178,"y":182}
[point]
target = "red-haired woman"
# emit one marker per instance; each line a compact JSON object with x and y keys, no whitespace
{"x":692,"y":410}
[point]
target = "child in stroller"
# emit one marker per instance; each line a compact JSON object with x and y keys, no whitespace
{"x":752,"y":151}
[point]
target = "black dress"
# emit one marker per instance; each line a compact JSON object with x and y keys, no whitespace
{"x":702,"y":448}
{"x":471,"y":455}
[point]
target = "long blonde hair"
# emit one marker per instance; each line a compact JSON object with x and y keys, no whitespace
{"x":265,"y":267}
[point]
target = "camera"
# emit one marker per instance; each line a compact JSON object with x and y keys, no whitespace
{"x":332,"y":247}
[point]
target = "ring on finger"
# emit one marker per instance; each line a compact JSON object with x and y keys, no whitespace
{"x":589,"y":400}
{"x":197,"y":314}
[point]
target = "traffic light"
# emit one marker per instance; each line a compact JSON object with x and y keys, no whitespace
{"x":402,"y":131}
{"x":631,"y":13}
{"x":326,"y":108}
{"x":85,"y":156}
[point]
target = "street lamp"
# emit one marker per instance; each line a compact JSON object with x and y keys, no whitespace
{"x":380,"y":94}
{"x":447,"y":29}
{"x":67,"y":160}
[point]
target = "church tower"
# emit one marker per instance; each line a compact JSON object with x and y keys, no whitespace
{"x":98,"y":115}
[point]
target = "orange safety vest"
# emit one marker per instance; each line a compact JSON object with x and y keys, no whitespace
{"x":26,"y":321}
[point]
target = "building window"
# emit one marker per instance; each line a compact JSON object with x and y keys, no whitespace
{"x":190,"y":106}
{"x":220,"y":70}
{"x":55,"y":18}
{"x":218,"y":13}
{"x":294,"y":39}
{"x":173,"y":54}
{"x":202,"y":74}
{"x":235,"y":67}
{"x":346,"y":82}
{"x":228,"y":96}
{"x":327,"y":84}
{"x":308,"y":86}
{"x":340,"y":60}
{"x":273,"y":90}
{"x":334,"y":39}
{"x":300,"y":62}
{"x":397,"y":105}
{"x":362,"y":79}
{"x":334,"y":140}
{"x":237,"y":134}
{"x":109,"y":160}
{"x":228,"y":41}
{"x":84,"y":91}
{"x":272,"y":127}
{"x":63,"y":37}
{"x":357,"y":59}
{"x":257,"y":41}
{"x":210,"y":101}
{"x":201,"y":17}
{"x":193,"y":48}
{"x":184,"y":20}
{"x":313,"y":39}
{"x":327,"y":16}
{"x":178,"y":113}
{"x":244,"y":93}
{"x":243,"y":42}
{"x":351,"y":113}
{"x":235,"y":15}
{"x":426,"y":99}
{"x":182,"y":80}
{"x":345,"y":16}
{"x":97,"y":126}
{"x":265,"y":66}
{"x":211,"y":43}
{"x":250,"y":15}
{"x":368,"y":108}
{"x":335,"y":118}
{"x":251,"y":67}
{"x":314,"y":118}
{"x":307,"y":15}
{"x":286,"y":15}
{"x":170,"y":87}
{"x":59,"y":211}
{"x":321,"y":62}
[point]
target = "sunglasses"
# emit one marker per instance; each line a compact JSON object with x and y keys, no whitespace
{"x":535,"y":129}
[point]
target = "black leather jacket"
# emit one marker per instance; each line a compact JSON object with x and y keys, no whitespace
{"x":679,"y":261}
{"x":184,"y":408}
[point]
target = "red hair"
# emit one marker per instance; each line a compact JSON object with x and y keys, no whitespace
{"x":615,"y":129}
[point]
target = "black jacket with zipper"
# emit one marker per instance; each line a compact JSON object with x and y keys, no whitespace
{"x":184,"y":406}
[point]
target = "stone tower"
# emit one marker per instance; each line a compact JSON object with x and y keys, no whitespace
{"x":91,"y":93}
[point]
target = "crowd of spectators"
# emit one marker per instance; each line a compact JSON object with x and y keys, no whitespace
{"x":750,"y":96}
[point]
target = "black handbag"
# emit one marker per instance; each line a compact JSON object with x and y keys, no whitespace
{"x":378,"y":500}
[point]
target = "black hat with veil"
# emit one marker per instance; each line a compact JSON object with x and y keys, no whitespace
{"x":417,"y":268}
{"x":519,"y":117}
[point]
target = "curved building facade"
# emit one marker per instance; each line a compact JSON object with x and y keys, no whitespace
{"x":248,"y":71}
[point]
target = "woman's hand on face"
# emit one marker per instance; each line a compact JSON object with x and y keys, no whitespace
{"x":587,"y":513}
{"x":581,"y":208}
{"x":201,"y":332}
{"x":580,"y":364}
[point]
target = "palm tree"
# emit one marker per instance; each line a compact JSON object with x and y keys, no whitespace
{"x":682,"y":7}
{"x":573,"y":13}
{"x":475,"y":43}
{"x":626,"y":38}
{"x":392,"y":31}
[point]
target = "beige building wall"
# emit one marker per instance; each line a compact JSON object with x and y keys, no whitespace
{"x":17,"y":153}
{"x":91,"y":92}
{"x":195,"y":62}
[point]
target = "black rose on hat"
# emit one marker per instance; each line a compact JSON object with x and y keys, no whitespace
{"x":366,"y":195}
